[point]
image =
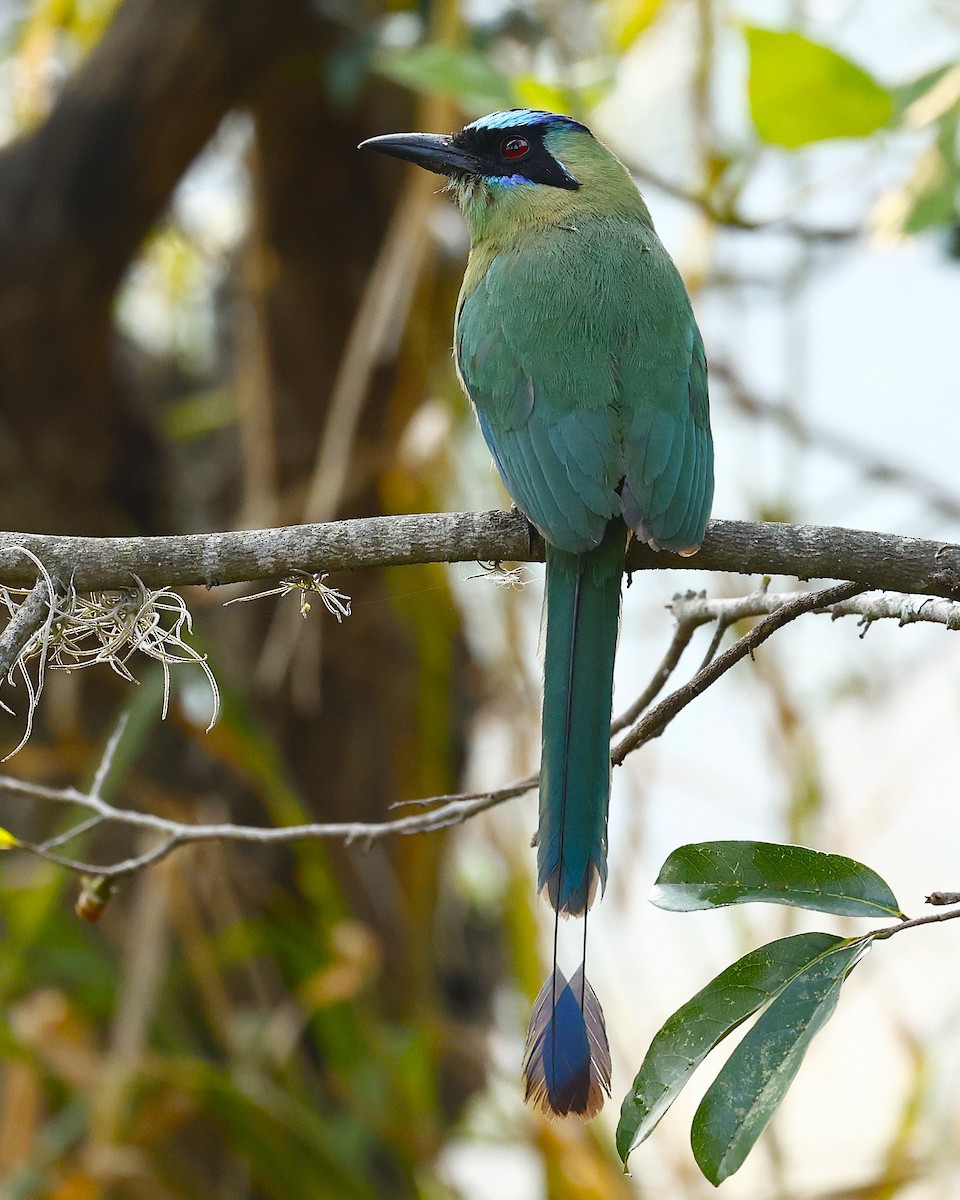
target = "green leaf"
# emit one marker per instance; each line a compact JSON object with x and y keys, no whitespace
{"x":442,"y":71}
{"x":802,"y":92}
{"x":630,"y":19}
{"x":691,"y":1033}
{"x":714,"y":874}
{"x":753,"y":1081}
{"x":935,"y":201}
{"x":907,"y":93}
{"x":934,"y":187}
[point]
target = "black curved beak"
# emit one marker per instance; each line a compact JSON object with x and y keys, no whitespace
{"x":436,"y":152}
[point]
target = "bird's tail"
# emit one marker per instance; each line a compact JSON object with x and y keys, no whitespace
{"x":583,"y":617}
{"x":567,"y":1061}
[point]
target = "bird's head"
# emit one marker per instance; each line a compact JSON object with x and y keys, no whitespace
{"x":510,"y":170}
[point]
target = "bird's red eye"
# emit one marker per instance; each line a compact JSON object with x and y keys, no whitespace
{"x":514,"y":147}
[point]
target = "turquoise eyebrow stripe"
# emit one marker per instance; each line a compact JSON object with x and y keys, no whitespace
{"x":515,"y":118}
{"x":512,"y":117}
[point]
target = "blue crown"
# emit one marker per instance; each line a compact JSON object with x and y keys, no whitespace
{"x":513,"y":118}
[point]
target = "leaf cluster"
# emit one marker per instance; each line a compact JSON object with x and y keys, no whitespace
{"x":793,"y":982}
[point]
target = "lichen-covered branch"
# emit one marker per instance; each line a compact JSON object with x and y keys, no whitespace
{"x":693,"y":609}
{"x":28,"y":618}
{"x":877,"y":561}
{"x":903,"y":567}
{"x":437,"y":812}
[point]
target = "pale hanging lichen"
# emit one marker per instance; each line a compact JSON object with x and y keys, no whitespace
{"x":333,"y":600}
{"x":82,"y":629}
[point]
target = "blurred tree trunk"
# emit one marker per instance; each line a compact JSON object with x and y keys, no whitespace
{"x":358,"y":743}
{"x":77,"y":198}
{"x":78,"y":443}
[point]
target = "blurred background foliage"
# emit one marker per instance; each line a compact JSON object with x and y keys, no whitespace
{"x":214,"y":313}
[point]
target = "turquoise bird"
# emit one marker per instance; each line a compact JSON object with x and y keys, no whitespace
{"x":575,"y":340}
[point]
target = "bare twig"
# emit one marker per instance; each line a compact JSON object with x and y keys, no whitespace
{"x":453,"y":810}
{"x":446,"y":811}
{"x":653,"y":723}
{"x":484,"y":537}
{"x":695,"y":609}
{"x":681,"y":639}
{"x":109,"y":753}
{"x":714,"y":647}
{"x":879,"y":935}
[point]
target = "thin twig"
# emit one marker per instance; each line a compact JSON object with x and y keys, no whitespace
{"x":449,"y":810}
{"x":109,"y":753}
{"x":722,"y":627}
{"x":68,"y":835}
{"x":699,"y":609}
{"x":879,"y":935}
{"x":681,"y":639}
{"x":654,"y":722}
{"x":175,"y":833}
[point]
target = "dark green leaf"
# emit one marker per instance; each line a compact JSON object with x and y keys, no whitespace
{"x":713,"y":874}
{"x":753,"y":1081}
{"x":802,"y":92}
{"x":462,"y":75}
{"x":692,"y":1032}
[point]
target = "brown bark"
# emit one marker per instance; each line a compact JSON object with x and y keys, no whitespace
{"x":361,"y":744}
{"x":77,"y":197}
{"x":77,"y":451}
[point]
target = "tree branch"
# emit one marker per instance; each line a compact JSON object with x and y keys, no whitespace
{"x":24,"y":623}
{"x":447,"y":810}
{"x":874,"y":560}
{"x":861,"y":558}
{"x":694,"y":609}
{"x":451,"y":810}
{"x":654,"y":722}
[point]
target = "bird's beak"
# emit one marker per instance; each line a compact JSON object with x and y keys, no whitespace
{"x":434,"y":151}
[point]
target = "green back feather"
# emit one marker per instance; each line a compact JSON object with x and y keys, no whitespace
{"x":580,"y":352}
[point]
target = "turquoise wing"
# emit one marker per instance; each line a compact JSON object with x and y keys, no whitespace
{"x":544,"y":411}
{"x":581,"y":355}
{"x":668,"y":449}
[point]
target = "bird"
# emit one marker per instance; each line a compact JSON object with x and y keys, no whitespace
{"x":576,"y":342}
